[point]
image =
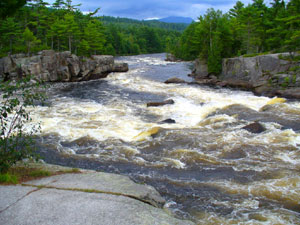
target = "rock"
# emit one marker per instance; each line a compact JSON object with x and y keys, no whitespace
{"x":262,"y":74}
{"x":155,"y":104}
{"x":237,"y":84}
{"x":265,"y":90}
{"x":244,"y":113}
{"x":200,"y":69}
{"x":208,"y":81}
{"x":120,"y":67}
{"x":105,"y":183}
{"x":143,"y":135}
{"x":276,"y":101}
{"x":255,"y":128}
{"x":56,"y":206}
{"x":174,"y":80}
{"x":73,"y":65}
{"x":171,"y":58}
{"x":49,"y":65}
{"x":11,"y":194}
{"x":293,"y":93}
{"x":168,"y":121}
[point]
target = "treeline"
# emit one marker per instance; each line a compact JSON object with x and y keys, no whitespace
{"x":125,"y":22}
{"x":137,"y":39}
{"x":244,"y":30}
{"x":62,"y":26}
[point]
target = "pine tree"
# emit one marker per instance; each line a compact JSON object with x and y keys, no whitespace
{"x":30,"y":40}
{"x":94,"y":36}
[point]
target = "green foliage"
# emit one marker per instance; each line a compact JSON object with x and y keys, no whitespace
{"x":39,"y":173}
{"x":247,"y":30}
{"x":30,"y":40}
{"x":9,"y":7}
{"x":125,"y":23}
{"x":7,"y":178}
{"x":63,"y":27}
{"x":15,"y":132}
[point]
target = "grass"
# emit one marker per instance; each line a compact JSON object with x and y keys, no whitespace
{"x":289,"y":57}
{"x":20,"y":174}
{"x":8,"y":179}
{"x":255,"y":54}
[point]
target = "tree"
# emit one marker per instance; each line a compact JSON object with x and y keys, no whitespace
{"x":292,"y":22}
{"x":94,"y":36}
{"x":15,"y":140}
{"x":30,"y":40}
{"x":9,"y":7}
{"x":71,"y":29}
{"x":10,"y":30}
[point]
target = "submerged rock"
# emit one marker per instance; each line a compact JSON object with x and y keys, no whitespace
{"x":155,"y":104}
{"x":244,"y":113}
{"x":174,"y":80}
{"x":168,"y":121}
{"x":143,"y":135}
{"x":276,"y":101}
{"x":255,"y":128}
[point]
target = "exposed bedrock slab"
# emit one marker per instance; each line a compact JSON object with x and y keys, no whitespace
{"x":9,"y":195}
{"x":60,"y":207}
{"x":105,"y":183}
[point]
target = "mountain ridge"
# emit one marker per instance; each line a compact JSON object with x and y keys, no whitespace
{"x":176,"y":19}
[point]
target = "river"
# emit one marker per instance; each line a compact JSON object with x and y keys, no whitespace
{"x":208,"y":168}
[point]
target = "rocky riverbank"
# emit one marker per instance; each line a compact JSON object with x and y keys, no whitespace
{"x":87,"y":197}
{"x":268,"y":75}
{"x":49,"y":65}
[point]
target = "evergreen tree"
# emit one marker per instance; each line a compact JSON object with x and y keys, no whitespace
{"x":9,"y":7}
{"x":30,"y":40}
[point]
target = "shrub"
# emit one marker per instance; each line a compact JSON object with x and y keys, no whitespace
{"x":8,"y":179}
{"x":16,"y":142}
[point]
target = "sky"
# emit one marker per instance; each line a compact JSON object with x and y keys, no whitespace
{"x":154,"y":9}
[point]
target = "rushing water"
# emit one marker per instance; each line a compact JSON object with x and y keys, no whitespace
{"x":208,"y":168}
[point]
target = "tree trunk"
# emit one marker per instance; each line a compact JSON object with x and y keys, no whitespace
{"x":10,"y":45}
{"x":70,"y":44}
{"x":210,"y":38}
{"x":248,"y":37}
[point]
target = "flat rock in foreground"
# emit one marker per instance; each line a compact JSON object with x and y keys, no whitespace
{"x":103,"y":183}
{"x":54,"y":206}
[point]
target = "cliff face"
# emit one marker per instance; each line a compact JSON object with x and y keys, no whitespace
{"x":261,"y":70}
{"x":271,"y":74}
{"x":49,"y":65}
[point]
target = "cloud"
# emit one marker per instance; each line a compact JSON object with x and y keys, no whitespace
{"x":143,"y":9}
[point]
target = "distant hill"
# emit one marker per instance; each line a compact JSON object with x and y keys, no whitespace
{"x":177,"y":19}
{"x":125,"y":22}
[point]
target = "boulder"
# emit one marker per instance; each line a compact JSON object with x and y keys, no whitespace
{"x":255,"y":128}
{"x":293,"y":93}
{"x":171,"y":58}
{"x":120,"y":67}
{"x":174,"y":80}
{"x":200,"y":69}
{"x":155,"y":104}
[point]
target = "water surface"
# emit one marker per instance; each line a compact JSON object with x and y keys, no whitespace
{"x":208,"y":168}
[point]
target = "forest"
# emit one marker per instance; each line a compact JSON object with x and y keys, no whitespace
{"x":61,"y":26}
{"x":256,"y":28}
{"x":247,"y":30}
